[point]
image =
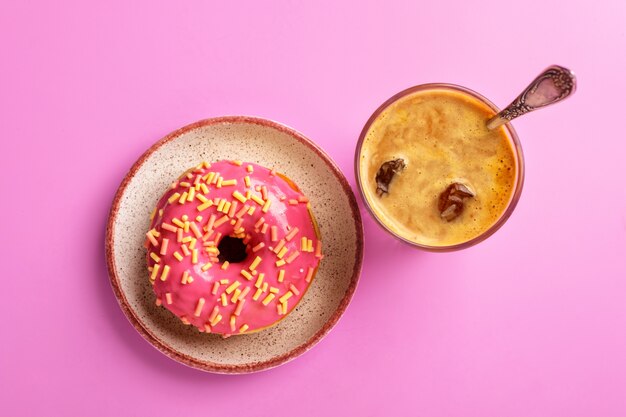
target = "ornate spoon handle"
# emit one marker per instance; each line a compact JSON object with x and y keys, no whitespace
{"x":551,"y":86}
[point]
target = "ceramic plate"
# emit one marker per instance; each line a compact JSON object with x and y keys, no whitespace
{"x":270,"y":144}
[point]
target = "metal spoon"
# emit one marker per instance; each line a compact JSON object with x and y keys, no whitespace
{"x":551,"y":86}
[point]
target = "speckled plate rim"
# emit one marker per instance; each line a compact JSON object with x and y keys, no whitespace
{"x":190,"y":361}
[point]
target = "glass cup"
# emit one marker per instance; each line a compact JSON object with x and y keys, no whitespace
{"x":515,"y":146}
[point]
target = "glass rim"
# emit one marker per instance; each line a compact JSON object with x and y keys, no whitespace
{"x":516,"y":146}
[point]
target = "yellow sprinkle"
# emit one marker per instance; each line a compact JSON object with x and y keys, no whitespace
{"x":166,"y":270}
{"x":274,"y":233}
{"x":202,"y":198}
{"x":184,"y":217}
{"x":223,"y":298}
{"x":226,"y":183}
{"x":212,"y":249}
{"x":183,"y":198}
{"x":192,"y":194}
{"x":279,"y":309}
{"x":204,"y":206}
{"x":226,"y":207}
{"x":243,"y":328}
{"x":225,"y":265}
{"x":199,"y":307}
{"x":236,"y":295}
{"x":264,"y":288}
{"x":168,"y":297}
{"x":178,"y":222}
{"x":251,"y":210}
{"x":161,"y":212}
{"x":187,"y":239}
{"x":233,"y":319}
{"x":257,"y":294}
{"x":246,"y":180}
{"x":192,"y":243}
{"x":258,"y":247}
{"x":232,"y":287}
{"x":206,"y":266}
{"x":282,"y":253}
{"x":216,"y":286}
{"x":255,"y":263}
{"x":224,"y":281}
{"x":185,"y":184}
{"x":152,"y":217}
{"x":266,"y":206}
{"x":194,"y":256}
{"x":155,"y":257}
{"x":257,"y":199}
{"x":184,"y":320}
{"x":259,"y":280}
{"x":216,"y":320}
{"x":304,"y":244}
{"x":274,"y":290}
{"x":178,"y":256}
{"x":155,"y":271}
{"x":209,"y":177}
{"x":185,"y":278}
{"x":284,"y":305}
{"x":309,"y":247}
{"x":219,"y":182}
{"x":236,"y":162}
{"x":248,"y":194}
{"x":186,"y":228}
{"x":280,"y":262}
{"x":285,"y":297}
{"x":249,"y":168}
{"x":173,"y":198}
{"x":239,"y":196}
{"x":199,"y":218}
{"x":204,"y":188}
{"x":220,"y":206}
{"x":189,"y":280}
{"x":246,"y":274}
{"x":309,"y":274}
{"x":281,"y":275}
{"x":267,"y":299}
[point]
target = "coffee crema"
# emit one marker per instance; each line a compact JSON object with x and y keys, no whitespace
{"x":440,"y":135}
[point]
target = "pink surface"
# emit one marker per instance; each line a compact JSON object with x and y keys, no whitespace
{"x":531,"y":322}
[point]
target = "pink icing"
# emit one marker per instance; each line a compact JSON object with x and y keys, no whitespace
{"x":288,"y":209}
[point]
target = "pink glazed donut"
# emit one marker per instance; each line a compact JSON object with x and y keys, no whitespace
{"x":232,"y":247}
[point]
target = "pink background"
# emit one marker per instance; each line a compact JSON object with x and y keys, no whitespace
{"x":531,"y":322}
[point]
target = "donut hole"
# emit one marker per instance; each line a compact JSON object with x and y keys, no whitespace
{"x":232,"y":249}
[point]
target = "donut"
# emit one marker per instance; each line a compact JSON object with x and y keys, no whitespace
{"x":232,"y":247}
